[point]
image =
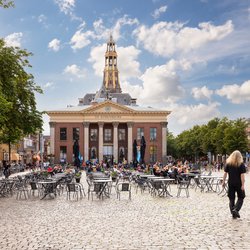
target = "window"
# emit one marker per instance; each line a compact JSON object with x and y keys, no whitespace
{"x":107,"y":150}
{"x":121,"y":134}
{"x":93,"y":134}
{"x":63,"y":153}
{"x":63,"y":134}
{"x":107,"y":134}
{"x":140,"y":133}
{"x":76,"y":132}
{"x":153,"y":153}
{"x":153,"y":134}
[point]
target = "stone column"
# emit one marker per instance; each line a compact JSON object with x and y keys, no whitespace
{"x":100,"y":124}
{"x":86,"y":141}
{"x":164,"y":141}
{"x":115,"y":141}
{"x":52,"y":137}
{"x":130,"y":141}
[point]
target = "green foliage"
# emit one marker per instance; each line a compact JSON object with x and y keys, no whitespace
{"x":78,"y":175}
{"x":171,"y":145}
{"x":218,"y":136}
{"x":235,"y":137}
{"x":6,"y":3}
{"x":19,"y":116}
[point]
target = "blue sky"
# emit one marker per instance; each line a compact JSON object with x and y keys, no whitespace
{"x":191,"y":57}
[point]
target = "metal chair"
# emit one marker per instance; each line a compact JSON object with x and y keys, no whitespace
{"x":34,"y":187}
{"x":142,"y":184}
{"x":75,"y":189}
{"x":182,"y":184}
{"x":22,"y":189}
{"x":157,"y":188}
{"x":94,"y":188}
{"x":123,"y":187}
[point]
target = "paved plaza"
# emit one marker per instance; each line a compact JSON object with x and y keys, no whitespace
{"x":201,"y":221}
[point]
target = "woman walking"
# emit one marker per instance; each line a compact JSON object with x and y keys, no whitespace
{"x":235,"y":169}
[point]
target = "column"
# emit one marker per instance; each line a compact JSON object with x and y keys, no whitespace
{"x":115,"y":141}
{"x":164,"y":141}
{"x":86,"y":141}
{"x":52,"y":137}
{"x":100,"y":124}
{"x":130,"y":141}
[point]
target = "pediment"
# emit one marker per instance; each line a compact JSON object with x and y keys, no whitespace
{"x":107,"y":107}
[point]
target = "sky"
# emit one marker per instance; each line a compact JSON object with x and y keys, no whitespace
{"x":190,"y":57}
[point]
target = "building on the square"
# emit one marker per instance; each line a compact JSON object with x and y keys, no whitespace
{"x":107,"y":122}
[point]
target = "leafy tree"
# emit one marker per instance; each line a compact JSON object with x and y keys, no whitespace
{"x":235,"y":136}
{"x":208,"y":143}
{"x":219,"y":136}
{"x":6,"y":3}
{"x":20,"y":116}
{"x":171,"y":145}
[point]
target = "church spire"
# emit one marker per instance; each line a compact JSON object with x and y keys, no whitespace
{"x":111,"y":74}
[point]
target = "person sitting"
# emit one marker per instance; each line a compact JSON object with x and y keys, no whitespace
{"x":156,"y":170}
{"x":165,"y":171}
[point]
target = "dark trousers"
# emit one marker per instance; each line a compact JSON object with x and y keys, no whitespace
{"x":231,"y":195}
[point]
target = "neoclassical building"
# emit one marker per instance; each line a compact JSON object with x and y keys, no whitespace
{"x":107,"y":123}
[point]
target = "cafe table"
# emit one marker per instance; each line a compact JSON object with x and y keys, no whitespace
{"x":104,"y":190}
{"x":47,"y":188}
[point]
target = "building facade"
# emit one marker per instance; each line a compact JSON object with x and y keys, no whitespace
{"x":108,"y":124}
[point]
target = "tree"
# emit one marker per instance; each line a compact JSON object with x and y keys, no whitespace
{"x":219,"y":135}
{"x":171,"y":145}
{"x":6,"y":3}
{"x":235,"y":137}
{"x":20,"y":116}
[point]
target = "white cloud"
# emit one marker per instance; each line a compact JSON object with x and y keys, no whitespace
{"x":66,"y":6}
{"x":13,"y":39}
{"x":236,"y":93}
{"x":75,"y":71}
{"x":102,"y":32}
{"x":55,"y":44}
{"x":158,"y":12}
{"x":161,"y":85}
{"x":96,"y":54}
{"x":42,"y":18}
{"x":49,"y":85}
{"x":80,"y":39}
{"x":125,"y":20}
{"x":127,"y":62}
{"x":201,"y":93}
{"x":175,"y":38}
{"x":134,"y":90}
{"x":128,"y":65}
{"x":184,"y":117}
{"x":83,"y":38}
{"x":182,"y":64}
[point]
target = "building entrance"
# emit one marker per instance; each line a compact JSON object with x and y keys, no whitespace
{"x":107,"y":153}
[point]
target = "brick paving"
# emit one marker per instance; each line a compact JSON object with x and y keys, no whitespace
{"x":201,"y":221}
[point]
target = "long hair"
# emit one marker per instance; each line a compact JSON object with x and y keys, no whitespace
{"x":235,"y":159}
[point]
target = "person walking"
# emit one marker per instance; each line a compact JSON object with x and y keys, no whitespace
{"x":235,"y":169}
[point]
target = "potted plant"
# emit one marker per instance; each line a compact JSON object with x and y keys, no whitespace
{"x":114,"y":175}
{"x":78,"y":177}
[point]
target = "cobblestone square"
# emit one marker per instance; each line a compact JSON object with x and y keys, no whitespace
{"x":201,"y":221}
